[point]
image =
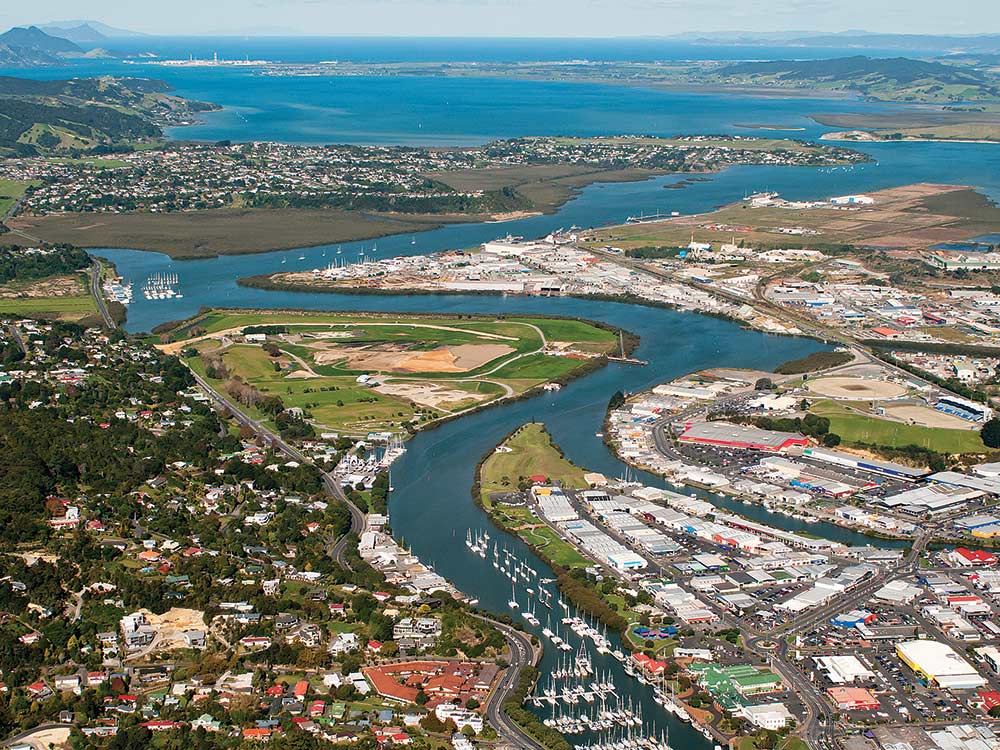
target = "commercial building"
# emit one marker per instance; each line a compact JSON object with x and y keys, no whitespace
{"x":853,"y":699}
{"x":932,"y":499}
{"x":731,"y":435}
{"x":773,"y":716}
{"x":843,"y":668}
{"x":939,"y":664}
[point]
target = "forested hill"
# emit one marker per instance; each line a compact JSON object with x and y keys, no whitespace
{"x":896,"y":78}
{"x":81,"y":115}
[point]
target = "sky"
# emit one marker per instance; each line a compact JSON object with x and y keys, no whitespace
{"x":517,"y":18}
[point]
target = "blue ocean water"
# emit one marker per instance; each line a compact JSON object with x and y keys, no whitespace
{"x":458,"y":111}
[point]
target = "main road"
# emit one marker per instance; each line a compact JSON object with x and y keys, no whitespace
{"x":338,"y":548}
{"x":522,"y":655}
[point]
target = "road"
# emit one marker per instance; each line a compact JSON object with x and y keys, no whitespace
{"x":95,"y":291}
{"x":338,"y":547}
{"x":521,"y":655}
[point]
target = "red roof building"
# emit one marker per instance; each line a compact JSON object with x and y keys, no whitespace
{"x":975,"y":556}
{"x":853,"y":698}
{"x":989,"y":698}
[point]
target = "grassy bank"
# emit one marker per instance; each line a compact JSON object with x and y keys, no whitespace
{"x":529,"y":451}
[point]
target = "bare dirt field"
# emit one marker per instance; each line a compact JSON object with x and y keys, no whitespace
{"x":858,"y":389}
{"x":434,"y":395}
{"x":928,"y":417}
{"x":43,"y":739}
{"x":388,"y":358}
{"x":54,"y":286}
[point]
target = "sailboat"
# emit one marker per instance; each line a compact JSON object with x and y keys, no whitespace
{"x":513,"y":599}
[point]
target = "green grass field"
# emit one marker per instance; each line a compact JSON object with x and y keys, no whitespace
{"x":61,"y":306}
{"x":857,"y":428}
{"x":321,"y":355}
{"x":10,"y":191}
{"x":532,"y":453}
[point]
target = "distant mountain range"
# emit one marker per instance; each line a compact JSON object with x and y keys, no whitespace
{"x":87,"y":30}
{"x":930,"y":43}
{"x":30,"y":46}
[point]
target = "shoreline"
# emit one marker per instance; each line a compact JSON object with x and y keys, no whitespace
{"x":265,"y":282}
{"x":203,"y":233}
{"x":631,"y":342}
{"x":842,"y":136}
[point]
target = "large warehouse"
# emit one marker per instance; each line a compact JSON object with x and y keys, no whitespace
{"x":940,"y":664}
{"x":740,"y":436}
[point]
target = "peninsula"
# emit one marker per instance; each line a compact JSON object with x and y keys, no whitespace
{"x":200,"y":200}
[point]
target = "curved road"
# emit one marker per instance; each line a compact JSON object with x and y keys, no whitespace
{"x":521,"y":655}
{"x":338,"y":549}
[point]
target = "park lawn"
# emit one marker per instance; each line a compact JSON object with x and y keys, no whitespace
{"x":62,"y":308}
{"x":567,"y":329}
{"x":857,"y":428}
{"x":249,"y":362}
{"x":541,"y":367}
{"x":344,"y":406}
{"x":532,"y":453}
{"x":558,"y":550}
{"x":10,"y":191}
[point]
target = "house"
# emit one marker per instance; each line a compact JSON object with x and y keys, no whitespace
{"x":416,"y":632}
{"x":206,"y":722}
{"x":137,"y":631}
{"x":39,"y":690}
{"x":255,"y":643}
{"x":67,"y":683}
{"x":257,"y":734}
{"x":344,"y":643}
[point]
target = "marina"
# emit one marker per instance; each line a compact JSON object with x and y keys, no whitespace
{"x":161,"y":286}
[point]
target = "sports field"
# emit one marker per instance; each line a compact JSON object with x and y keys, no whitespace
{"x":866,"y":389}
{"x":860,"y":428}
{"x":361,"y":372}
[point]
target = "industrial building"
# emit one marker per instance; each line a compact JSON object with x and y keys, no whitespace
{"x":939,"y":664}
{"x":930,"y":499}
{"x":885,"y":468}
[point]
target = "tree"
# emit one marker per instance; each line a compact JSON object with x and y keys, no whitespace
{"x":831,"y":440}
{"x":763,"y":384}
{"x":990,"y":433}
